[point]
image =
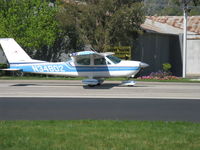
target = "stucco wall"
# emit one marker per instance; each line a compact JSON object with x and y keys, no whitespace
{"x":193,"y":57}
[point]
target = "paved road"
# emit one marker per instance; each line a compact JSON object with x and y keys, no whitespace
{"x":111,"y":89}
{"x":54,"y":99}
{"x":98,"y":108}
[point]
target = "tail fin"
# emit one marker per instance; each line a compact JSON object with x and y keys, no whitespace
{"x":14,"y":53}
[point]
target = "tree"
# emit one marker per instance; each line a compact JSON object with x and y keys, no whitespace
{"x":105,"y":22}
{"x":170,"y":7}
{"x":31,"y":23}
{"x":68,"y":19}
{"x":125,"y":23}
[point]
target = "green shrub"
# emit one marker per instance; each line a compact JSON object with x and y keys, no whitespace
{"x":167,"y":67}
{"x":2,"y":66}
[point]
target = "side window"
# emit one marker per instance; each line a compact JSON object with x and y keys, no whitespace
{"x":83,"y":60}
{"x":99,"y":61}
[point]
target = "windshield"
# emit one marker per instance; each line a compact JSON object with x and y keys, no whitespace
{"x":114,"y":59}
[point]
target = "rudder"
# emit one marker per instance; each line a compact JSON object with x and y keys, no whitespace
{"x":14,"y":53}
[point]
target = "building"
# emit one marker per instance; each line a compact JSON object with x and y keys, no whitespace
{"x":162,"y":42}
{"x":3,"y":59}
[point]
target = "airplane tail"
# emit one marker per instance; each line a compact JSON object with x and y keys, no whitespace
{"x":14,"y":53}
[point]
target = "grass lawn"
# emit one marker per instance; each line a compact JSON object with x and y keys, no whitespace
{"x":99,"y":135}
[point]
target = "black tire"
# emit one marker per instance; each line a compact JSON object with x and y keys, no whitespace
{"x":91,"y":85}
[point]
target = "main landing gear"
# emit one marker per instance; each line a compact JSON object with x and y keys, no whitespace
{"x":92,"y":82}
{"x":95,"y":82}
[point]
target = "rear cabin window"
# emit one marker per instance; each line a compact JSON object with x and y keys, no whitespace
{"x":99,"y":61}
{"x":83,"y":60}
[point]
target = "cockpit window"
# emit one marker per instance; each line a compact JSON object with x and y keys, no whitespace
{"x":114,"y":59}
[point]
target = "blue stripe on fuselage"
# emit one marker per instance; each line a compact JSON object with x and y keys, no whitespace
{"x":66,"y":67}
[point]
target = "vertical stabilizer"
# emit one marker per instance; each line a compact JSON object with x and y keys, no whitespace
{"x":14,"y":53}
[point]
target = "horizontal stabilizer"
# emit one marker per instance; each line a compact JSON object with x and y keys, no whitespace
{"x":10,"y":69}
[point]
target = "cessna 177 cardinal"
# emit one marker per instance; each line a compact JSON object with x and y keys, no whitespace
{"x":90,"y":64}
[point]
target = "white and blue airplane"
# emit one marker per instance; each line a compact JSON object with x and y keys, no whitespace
{"x":90,"y":64}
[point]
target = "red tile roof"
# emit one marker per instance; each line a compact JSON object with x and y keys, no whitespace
{"x":177,"y":22}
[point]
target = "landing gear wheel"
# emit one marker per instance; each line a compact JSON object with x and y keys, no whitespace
{"x":100,"y":82}
{"x":91,"y":85}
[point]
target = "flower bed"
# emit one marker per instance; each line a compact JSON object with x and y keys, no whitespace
{"x":159,"y":76}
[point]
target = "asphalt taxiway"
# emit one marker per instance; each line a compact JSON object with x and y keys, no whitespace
{"x":63,"y":99}
{"x":110,"y":89}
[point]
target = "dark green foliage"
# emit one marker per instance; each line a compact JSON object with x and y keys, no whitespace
{"x":68,"y":19}
{"x":46,"y":29}
{"x":170,"y":7}
{"x":3,"y":66}
{"x":101,"y":23}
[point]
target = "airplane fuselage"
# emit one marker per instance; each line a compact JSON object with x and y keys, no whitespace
{"x":123,"y":69}
{"x":90,"y":64}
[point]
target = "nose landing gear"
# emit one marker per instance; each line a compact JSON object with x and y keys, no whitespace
{"x":128,"y":83}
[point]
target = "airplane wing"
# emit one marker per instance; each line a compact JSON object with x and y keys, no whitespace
{"x":84,"y":53}
{"x":89,"y":58}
